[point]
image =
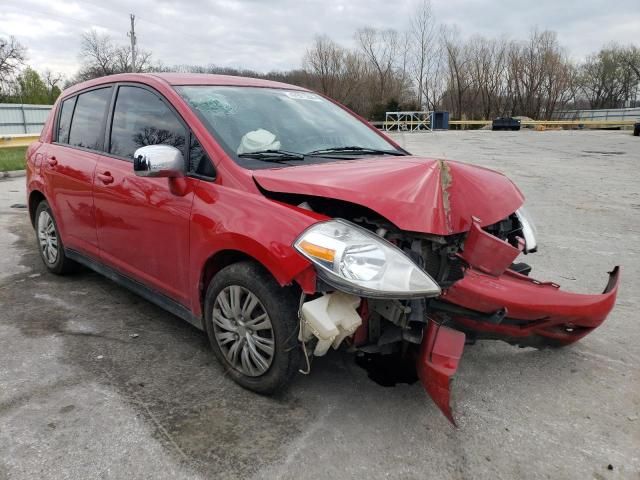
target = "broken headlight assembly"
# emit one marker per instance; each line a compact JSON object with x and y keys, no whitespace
{"x":355,"y":260}
{"x":528,"y":230}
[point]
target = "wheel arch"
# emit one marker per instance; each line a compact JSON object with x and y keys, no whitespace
{"x":35,"y":197}
{"x":214,"y":264}
{"x":228,"y":256}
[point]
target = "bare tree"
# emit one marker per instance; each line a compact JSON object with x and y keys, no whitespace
{"x":100,"y":56}
{"x":458,"y":63}
{"x":632,"y":58}
{"x":12,"y":57}
{"x":404,"y":54}
{"x":427,"y":54}
{"x":488,"y":69}
{"x":143,"y":60}
{"x":123,"y":60}
{"x":98,"y":53}
{"x":539,"y":75}
{"x":325,"y":59}
{"x":334,"y":71}
{"x":380,"y":48}
{"x":53,"y":81}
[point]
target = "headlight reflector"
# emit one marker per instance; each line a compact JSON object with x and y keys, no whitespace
{"x":352,"y":259}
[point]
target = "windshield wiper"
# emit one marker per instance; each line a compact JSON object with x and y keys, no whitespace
{"x":355,"y":150}
{"x":273,"y":155}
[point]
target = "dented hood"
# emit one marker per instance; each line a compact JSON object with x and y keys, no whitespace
{"x":416,"y":194}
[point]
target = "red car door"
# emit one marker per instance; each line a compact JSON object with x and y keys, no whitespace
{"x":143,"y":223}
{"x":69,"y":166}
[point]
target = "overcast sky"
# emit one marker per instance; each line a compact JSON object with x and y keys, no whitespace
{"x":273,"y":34}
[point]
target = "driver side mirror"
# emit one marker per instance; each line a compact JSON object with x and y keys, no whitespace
{"x":158,"y":161}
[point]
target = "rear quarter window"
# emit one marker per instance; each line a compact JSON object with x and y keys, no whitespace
{"x":87,"y":125}
{"x":64,"y":122}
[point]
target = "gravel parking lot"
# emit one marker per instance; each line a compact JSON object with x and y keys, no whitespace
{"x":98,"y":383}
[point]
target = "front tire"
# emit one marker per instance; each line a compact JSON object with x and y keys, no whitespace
{"x":49,"y":242}
{"x":252,"y":326}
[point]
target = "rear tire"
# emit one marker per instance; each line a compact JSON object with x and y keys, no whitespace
{"x":247,"y":313}
{"x":50,"y":244}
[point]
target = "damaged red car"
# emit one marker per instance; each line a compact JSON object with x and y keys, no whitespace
{"x":283,"y":225}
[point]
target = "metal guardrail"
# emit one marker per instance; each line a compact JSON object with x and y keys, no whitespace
{"x":20,"y":140}
{"x":605,"y":123}
{"x":533,"y":123}
{"x":18,"y":118}
{"x":632,"y":113}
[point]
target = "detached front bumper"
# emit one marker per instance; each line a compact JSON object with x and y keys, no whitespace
{"x":511,"y":307}
{"x":494,"y":302}
{"x":522,"y":310}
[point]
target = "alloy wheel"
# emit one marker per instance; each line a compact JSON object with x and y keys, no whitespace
{"x":47,"y":237}
{"x":243,"y":330}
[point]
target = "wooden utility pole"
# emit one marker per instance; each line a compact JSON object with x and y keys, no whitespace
{"x":132,"y":36}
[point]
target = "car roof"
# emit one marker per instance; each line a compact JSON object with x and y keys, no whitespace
{"x":175,"y":79}
{"x":211,"y":79}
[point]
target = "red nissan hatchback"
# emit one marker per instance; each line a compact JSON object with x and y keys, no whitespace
{"x":283,"y":225}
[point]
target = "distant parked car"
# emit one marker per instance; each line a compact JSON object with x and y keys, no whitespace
{"x":505,"y":123}
{"x":636,"y":129}
{"x":283,"y":225}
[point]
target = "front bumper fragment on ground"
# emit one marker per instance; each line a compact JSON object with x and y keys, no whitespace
{"x":511,"y":307}
{"x":438,"y":360}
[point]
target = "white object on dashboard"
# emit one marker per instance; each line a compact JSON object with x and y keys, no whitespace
{"x":258,"y":141}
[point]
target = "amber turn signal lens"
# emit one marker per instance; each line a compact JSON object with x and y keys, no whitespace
{"x":317,"y":251}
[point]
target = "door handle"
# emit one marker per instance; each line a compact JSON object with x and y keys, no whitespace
{"x":52,"y":161}
{"x":105,"y":178}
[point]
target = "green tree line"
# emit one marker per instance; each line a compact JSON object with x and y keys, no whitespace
{"x":20,"y":83}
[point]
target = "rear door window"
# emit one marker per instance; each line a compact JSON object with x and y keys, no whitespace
{"x":141,"y":118}
{"x":64,"y":122}
{"x":87,"y":126}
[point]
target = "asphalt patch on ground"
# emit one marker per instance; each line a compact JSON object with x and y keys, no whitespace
{"x":160,"y":364}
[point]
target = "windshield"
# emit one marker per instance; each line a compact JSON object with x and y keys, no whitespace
{"x":287,"y":123}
